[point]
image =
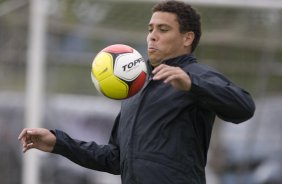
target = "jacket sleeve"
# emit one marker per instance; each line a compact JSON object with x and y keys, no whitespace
{"x":89,"y":154}
{"x":219,"y":94}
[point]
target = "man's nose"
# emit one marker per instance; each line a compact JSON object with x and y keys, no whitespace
{"x":152,"y":36}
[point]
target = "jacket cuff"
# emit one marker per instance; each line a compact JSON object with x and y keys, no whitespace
{"x":195,"y":85}
{"x":59,"y":145}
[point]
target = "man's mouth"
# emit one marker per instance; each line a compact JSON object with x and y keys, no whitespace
{"x":152,"y":49}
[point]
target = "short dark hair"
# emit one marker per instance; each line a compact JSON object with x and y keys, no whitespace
{"x":188,"y":18}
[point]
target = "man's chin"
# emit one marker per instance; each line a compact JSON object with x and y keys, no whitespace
{"x":155,"y":62}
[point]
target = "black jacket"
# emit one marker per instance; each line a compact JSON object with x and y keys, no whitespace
{"x":162,"y":135}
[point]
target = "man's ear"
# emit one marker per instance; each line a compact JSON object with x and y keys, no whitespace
{"x":188,"y":38}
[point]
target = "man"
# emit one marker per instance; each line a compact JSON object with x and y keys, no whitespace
{"x":162,"y":134}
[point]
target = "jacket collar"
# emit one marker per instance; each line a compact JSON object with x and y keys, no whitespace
{"x":180,"y":60}
{"x":177,"y":61}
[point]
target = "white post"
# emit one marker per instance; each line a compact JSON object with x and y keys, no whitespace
{"x":35,"y":84}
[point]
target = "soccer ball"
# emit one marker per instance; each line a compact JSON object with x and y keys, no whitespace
{"x":118,"y":71}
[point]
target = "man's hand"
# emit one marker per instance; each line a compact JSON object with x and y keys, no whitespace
{"x":38,"y":138}
{"x":175,"y":76}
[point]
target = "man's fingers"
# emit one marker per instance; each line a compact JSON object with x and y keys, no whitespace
{"x":22,"y":134}
{"x":175,"y":76}
{"x":27,"y":132}
{"x":26,"y":139}
{"x":27,"y":147}
{"x":158,"y":68}
{"x":165,"y":73}
{"x":23,"y":141}
{"x":170,"y":78}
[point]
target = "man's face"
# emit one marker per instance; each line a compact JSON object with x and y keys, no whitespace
{"x":164,"y":40}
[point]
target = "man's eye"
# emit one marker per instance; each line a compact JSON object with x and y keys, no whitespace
{"x":163,"y":30}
